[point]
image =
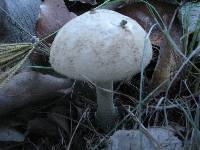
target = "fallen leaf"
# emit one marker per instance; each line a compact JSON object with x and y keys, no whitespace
{"x":53,"y":15}
{"x":141,"y":14}
{"x":168,"y":60}
{"x":10,"y":135}
{"x":28,"y":87}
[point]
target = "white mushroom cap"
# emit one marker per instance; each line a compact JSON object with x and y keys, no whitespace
{"x":100,"y":45}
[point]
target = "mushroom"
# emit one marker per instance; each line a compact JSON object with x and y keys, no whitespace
{"x":101,"y":46}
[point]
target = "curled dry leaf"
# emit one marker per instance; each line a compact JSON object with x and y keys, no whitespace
{"x":27,"y":87}
{"x":10,"y":135}
{"x":141,"y":14}
{"x":53,"y":15}
{"x":168,"y":60}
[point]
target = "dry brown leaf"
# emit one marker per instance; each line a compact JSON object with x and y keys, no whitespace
{"x":141,"y":14}
{"x":53,"y":15}
{"x":28,"y":87}
{"x":168,"y":60}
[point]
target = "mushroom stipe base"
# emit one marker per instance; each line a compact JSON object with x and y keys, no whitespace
{"x":106,"y":113}
{"x":107,"y":120}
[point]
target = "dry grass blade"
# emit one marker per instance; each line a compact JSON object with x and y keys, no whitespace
{"x":12,"y":57}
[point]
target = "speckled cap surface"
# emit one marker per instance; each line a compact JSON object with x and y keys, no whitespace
{"x":100,"y":45}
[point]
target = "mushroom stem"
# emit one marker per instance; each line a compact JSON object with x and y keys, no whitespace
{"x":106,"y":112}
